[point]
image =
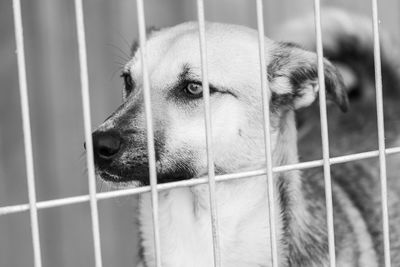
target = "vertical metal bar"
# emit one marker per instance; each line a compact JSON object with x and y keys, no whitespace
{"x":381,"y":133}
{"x":80,"y":27}
{"x":150,"y":132}
{"x":210,"y":155}
{"x":324,"y":134}
{"x":267,"y":134}
{"x":26,"y":126}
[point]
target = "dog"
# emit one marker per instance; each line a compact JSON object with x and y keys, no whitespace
{"x":173,"y":58}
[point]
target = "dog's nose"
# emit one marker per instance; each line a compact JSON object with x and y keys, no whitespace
{"x":106,"y":145}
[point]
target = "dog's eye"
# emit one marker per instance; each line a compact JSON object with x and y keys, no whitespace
{"x":128,"y":81}
{"x":189,"y":91}
{"x":194,"y":89}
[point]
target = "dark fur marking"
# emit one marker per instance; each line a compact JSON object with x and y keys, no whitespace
{"x":134,"y":48}
{"x":284,"y":204}
{"x":289,"y":45}
{"x":184,"y":73}
{"x":129,"y":83}
{"x":183,"y":170}
{"x":151,"y":29}
{"x":281,"y":57}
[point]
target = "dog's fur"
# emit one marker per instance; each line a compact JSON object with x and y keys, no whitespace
{"x":238,"y":145}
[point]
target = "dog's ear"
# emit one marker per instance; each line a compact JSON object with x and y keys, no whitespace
{"x":293,"y":78}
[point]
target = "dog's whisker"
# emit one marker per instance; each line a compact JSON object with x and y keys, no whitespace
{"x":124,"y":54}
{"x":123,"y":57}
{"x":123,"y":60}
{"x":119,"y":64}
{"x":128,"y":45}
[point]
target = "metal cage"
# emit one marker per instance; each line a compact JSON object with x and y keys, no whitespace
{"x":33,"y":206}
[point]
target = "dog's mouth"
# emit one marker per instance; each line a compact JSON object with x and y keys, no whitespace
{"x":109,"y":177}
{"x":117,"y":182}
{"x":139,"y":176}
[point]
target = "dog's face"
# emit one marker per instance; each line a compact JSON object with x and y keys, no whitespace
{"x":174,"y":67}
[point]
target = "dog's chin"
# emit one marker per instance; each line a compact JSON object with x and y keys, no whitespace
{"x":122,"y":185}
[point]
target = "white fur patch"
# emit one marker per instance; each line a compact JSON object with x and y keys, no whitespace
{"x":309,"y":94}
{"x":281,"y":85}
{"x":185,"y":225}
{"x":227,"y":118}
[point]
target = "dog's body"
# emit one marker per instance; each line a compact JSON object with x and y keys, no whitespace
{"x":237,"y":127}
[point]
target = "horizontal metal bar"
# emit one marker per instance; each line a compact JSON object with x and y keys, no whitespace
{"x":45,"y":204}
{"x":202,"y":180}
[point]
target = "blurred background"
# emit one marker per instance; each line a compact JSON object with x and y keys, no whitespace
{"x":56,"y":113}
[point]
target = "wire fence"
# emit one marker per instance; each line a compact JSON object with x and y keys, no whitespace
{"x":326,"y":162}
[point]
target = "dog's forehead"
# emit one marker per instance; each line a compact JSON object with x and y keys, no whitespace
{"x":232,"y":54}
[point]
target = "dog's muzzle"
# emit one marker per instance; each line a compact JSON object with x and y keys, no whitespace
{"x":108,"y":148}
{"x":121,"y":157}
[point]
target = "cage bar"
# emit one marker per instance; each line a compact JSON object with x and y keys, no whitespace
{"x":150,"y":131}
{"x":32,"y":206}
{"x":207,"y":118}
{"x":202,"y":180}
{"x":26,"y":126}
{"x":267,"y":133}
{"x":84,"y":75}
{"x":381,"y":133}
{"x":324,"y":135}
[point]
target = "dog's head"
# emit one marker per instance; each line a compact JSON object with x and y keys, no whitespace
{"x":174,"y":67}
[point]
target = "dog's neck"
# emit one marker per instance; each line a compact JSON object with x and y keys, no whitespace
{"x":242,"y":205}
{"x":185,"y":225}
